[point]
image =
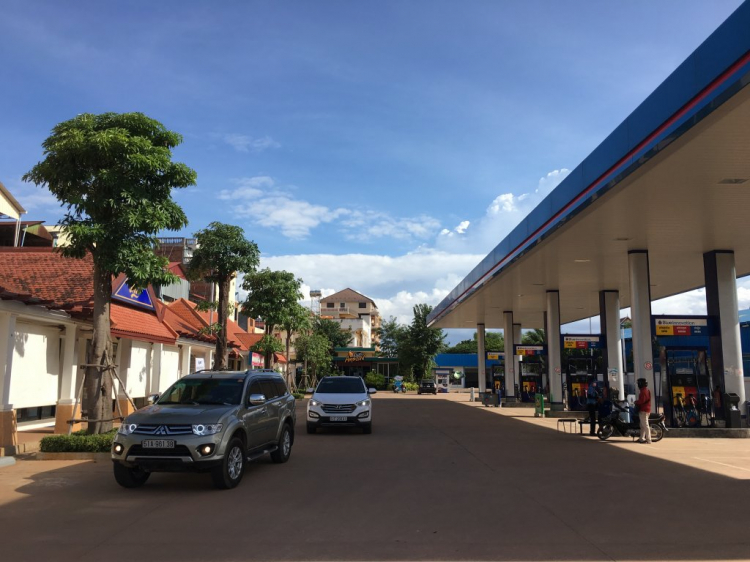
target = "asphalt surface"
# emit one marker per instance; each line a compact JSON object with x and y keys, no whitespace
{"x":436,"y":480}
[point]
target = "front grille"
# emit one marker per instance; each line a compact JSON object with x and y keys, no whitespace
{"x":178,"y":451}
{"x":150,"y":429}
{"x":338,"y":408}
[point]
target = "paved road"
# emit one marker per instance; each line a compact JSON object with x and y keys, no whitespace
{"x":436,"y":480}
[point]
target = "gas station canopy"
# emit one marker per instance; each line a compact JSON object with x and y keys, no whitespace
{"x":672,"y":179}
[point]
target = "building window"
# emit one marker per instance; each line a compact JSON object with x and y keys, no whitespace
{"x":363,"y":305}
{"x":329,"y":305}
{"x":342,"y":305}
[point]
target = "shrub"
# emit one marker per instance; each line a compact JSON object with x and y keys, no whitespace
{"x":78,"y":442}
{"x":375,"y":380}
{"x":411,"y":386}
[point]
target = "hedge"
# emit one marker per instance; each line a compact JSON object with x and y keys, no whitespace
{"x":78,"y":442}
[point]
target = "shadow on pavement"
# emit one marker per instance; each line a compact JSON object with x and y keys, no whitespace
{"x":436,"y":480}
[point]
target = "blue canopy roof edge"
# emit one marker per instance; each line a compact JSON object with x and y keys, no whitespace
{"x":711,"y":75}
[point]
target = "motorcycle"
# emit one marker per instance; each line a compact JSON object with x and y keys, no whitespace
{"x":615,"y":424}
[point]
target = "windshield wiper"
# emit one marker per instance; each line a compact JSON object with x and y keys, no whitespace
{"x":215,"y":403}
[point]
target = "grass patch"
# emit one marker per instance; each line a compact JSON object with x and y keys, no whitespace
{"x":78,"y":442}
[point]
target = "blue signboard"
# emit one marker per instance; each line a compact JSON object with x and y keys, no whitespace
{"x":140,"y":298}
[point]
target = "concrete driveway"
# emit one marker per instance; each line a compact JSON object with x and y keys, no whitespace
{"x":437,"y":480}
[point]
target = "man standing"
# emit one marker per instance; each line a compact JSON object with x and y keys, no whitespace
{"x":644,"y":409}
{"x":592,"y":400}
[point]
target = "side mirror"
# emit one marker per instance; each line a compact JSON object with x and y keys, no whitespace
{"x":256,"y":399}
{"x":371,"y":391}
{"x":152,"y":398}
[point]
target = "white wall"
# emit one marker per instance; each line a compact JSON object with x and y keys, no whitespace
{"x":355,"y":324}
{"x":170,"y":367}
{"x":36,"y":366}
{"x":138,"y":363}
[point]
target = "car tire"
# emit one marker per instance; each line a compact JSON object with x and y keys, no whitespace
{"x":130,"y":477}
{"x":367,"y":428}
{"x":284,"y":451}
{"x":312,"y":428}
{"x":229,"y":473}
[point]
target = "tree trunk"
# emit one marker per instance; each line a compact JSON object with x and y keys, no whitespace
{"x":267,"y":354}
{"x":220,"y":361}
{"x":288,"y":362}
{"x":98,"y":382}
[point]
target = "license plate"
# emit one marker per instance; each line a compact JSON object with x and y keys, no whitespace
{"x":158,"y":444}
{"x":339,"y":418}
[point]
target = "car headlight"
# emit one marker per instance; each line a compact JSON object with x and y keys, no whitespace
{"x":127,"y":428}
{"x":364,"y":403}
{"x":316,"y":403}
{"x":207,"y":429}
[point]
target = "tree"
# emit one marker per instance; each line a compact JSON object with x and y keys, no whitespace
{"x":115,"y":174}
{"x":533,"y":337}
{"x":222,"y":251}
{"x":391,"y":333}
{"x":314,"y":349}
{"x":267,"y":346}
{"x":423,"y":342}
{"x":493,"y":341}
{"x":272,"y":296}
{"x":332,"y":332}
{"x":298,"y":320}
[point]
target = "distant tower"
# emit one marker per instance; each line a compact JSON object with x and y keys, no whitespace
{"x":315,"y":295}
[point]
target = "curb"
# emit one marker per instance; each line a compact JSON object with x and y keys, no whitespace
{"x":7,"y":461}
{"x":97,"y":457}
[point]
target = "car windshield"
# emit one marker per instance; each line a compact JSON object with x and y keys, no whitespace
{"x":225,"y":391}
{"x":340,"y":386}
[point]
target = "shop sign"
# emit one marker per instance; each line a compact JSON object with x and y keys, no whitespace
{"x":581,"y":342}
{"x":527,"y":350}
{"x":257,"y":360}
{"x":681,"y":326}
{"x":494,"y":356}
{"x":352,"y":356}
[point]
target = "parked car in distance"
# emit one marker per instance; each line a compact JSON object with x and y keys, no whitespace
{"x":212,"y":421}
{"x":427,"y":387}
{"x":340,"y":402}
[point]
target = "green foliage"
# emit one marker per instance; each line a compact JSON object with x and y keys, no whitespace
{"x":420,"y":344}
{"x":222,"y":252}
{"x":315,"y":350}
{"x":375,"y":380}
{"x":272,"y":296}
{"x":408,"y":386}
{"x":298,"y":395}
{"x":391,"y":334}
{"x":331,"y":330}
{"x":78,"y":442}
{"x":114,"y":173}
{"x":493,"y":341}
{"x":533,"y":337}
{"x":268,"y":345}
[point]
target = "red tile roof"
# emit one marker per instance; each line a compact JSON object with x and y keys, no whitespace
{"x":178,"y":269}
{"x":128,"y":322}
{"x":187,"y":322}
{"x":43,"y":273}
{"x":234,"y":332}
{"x":44,"y":276}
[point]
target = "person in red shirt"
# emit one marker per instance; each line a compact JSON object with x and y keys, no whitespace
{"x":644,"y":409}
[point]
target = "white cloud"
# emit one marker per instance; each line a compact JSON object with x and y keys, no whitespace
{"x":262,"y":201}
{"x":396,"y":284}
{"x":501,"y":216}
{"x":460,"y":229}
{"x":246,"y":143}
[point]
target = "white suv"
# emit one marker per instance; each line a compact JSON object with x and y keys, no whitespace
{"x":340,"y":402}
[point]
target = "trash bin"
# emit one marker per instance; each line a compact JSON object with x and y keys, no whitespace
{"x":732,"y":413}
{"x":491,"y":399}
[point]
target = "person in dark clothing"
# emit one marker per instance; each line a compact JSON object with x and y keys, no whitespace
{"x":592,"y":405}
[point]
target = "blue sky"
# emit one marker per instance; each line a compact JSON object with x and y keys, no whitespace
{"x":386,"y":146}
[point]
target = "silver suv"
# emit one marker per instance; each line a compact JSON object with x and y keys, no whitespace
{"x":210,"y":421}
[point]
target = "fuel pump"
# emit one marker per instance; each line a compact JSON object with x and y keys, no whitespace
{"x":581,"y":361}
{"x":532,"y":367}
